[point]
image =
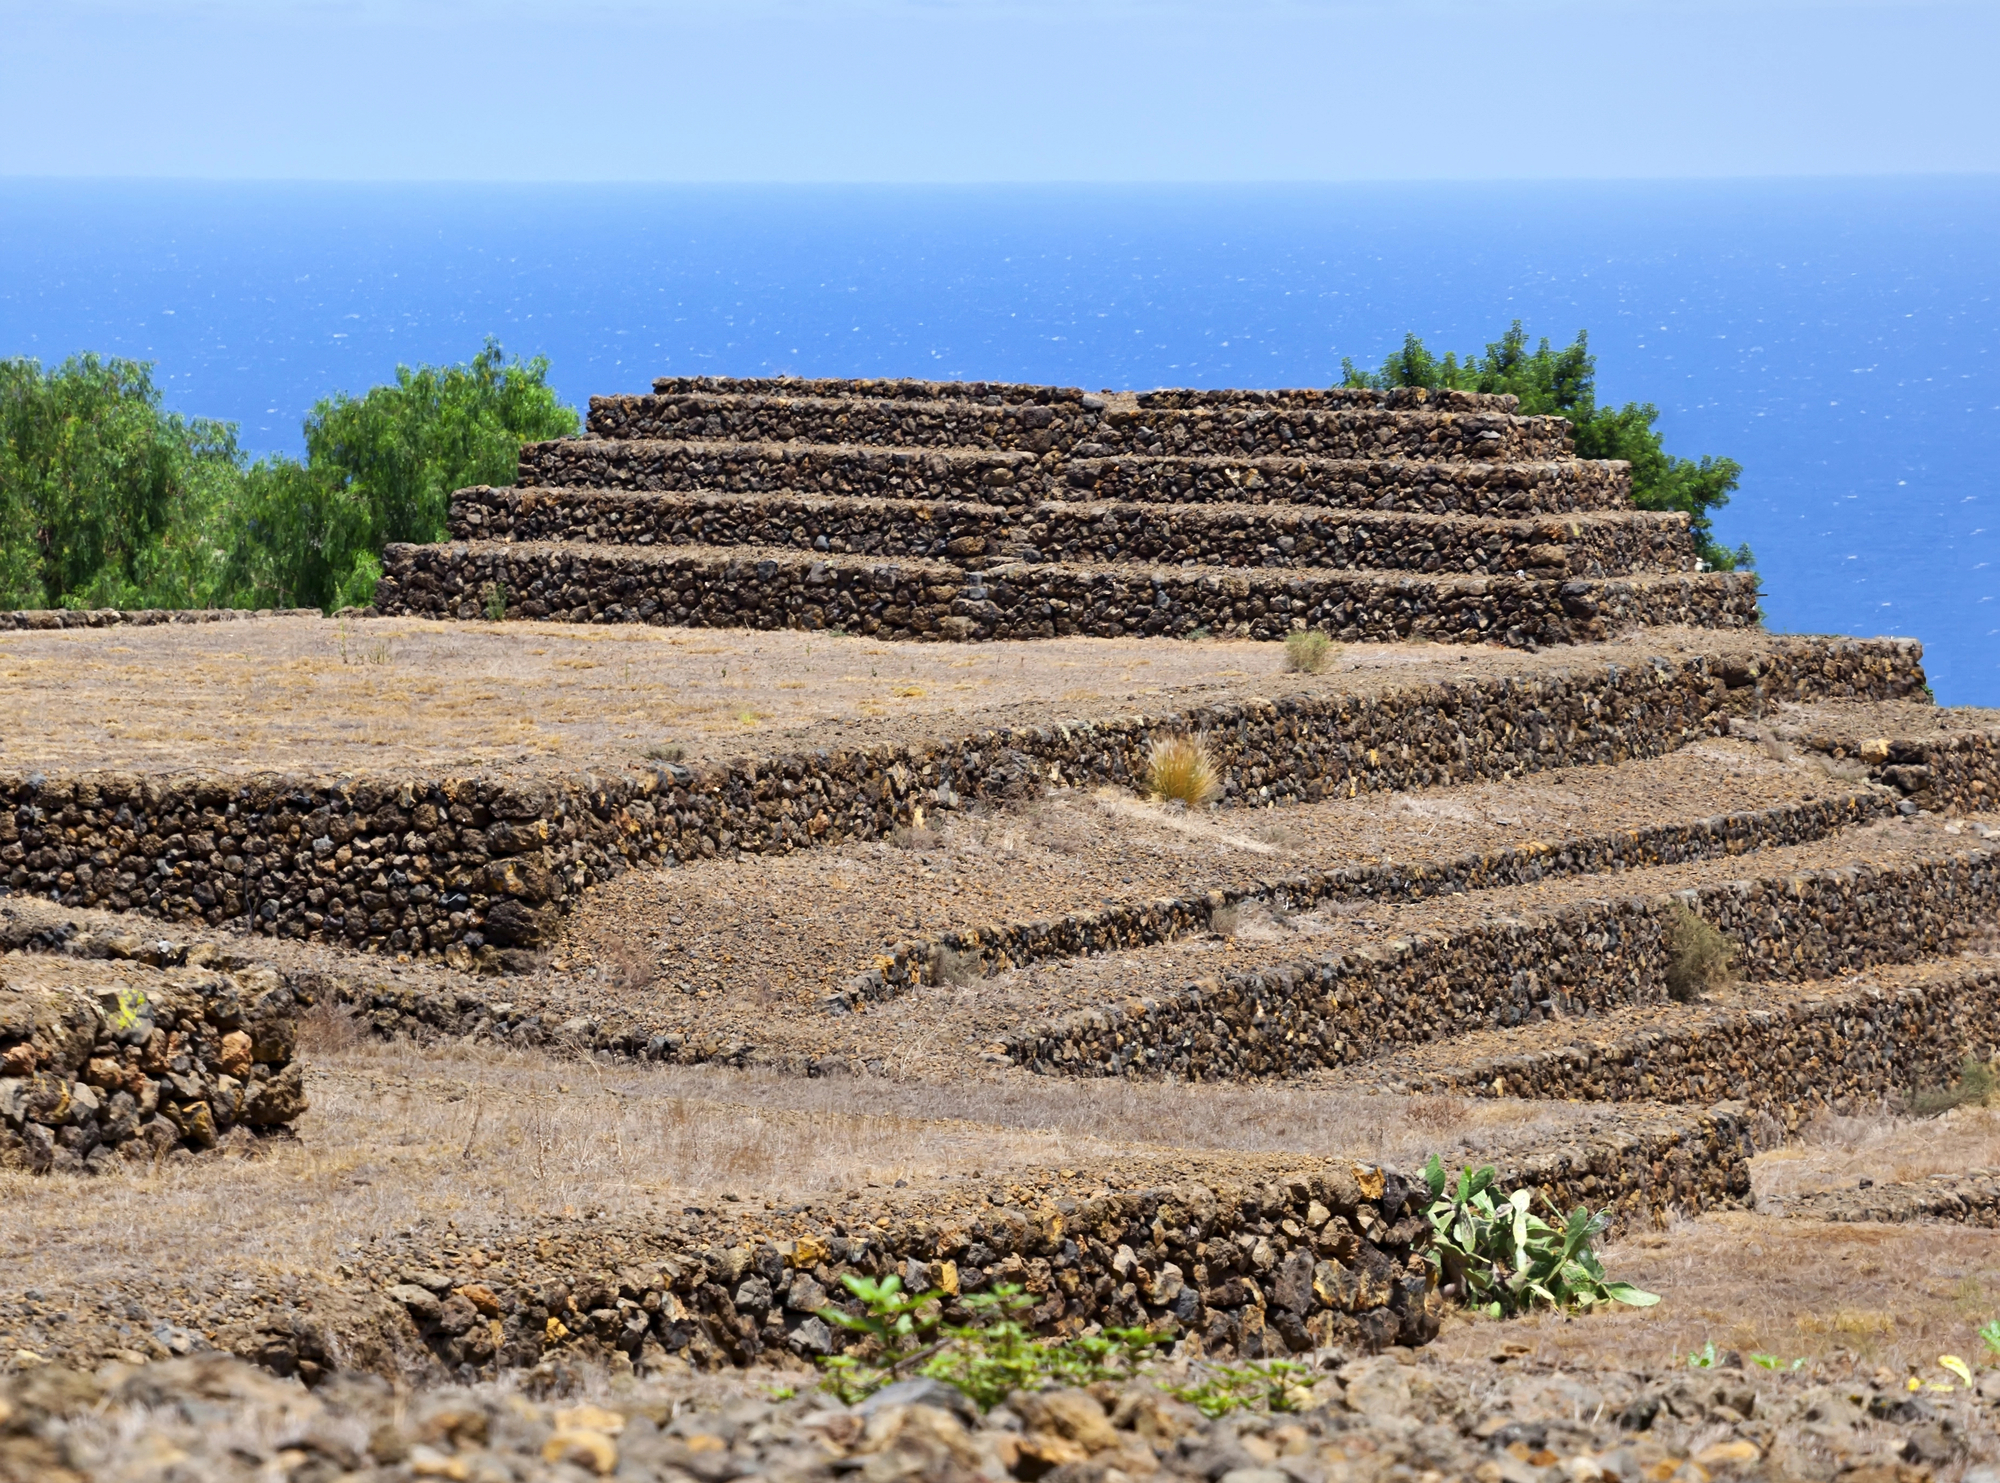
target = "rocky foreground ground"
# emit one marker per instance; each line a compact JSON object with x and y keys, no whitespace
{"x":1397,"y":1416}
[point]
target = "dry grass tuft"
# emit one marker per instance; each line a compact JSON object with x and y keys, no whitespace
{"x":1309,"y":651}
{"x":1975,"y":1087}
{"x":1700,"y":959}
{"x":1180,"y":769}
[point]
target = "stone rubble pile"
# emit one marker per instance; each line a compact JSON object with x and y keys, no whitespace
{"x":1383,"y":1419}
{"x":98,"y":1066}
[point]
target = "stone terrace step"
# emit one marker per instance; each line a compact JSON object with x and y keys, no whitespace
{"x":1315,"y":399}
{"x":1553,"y":487}
{"x":1788,"y":1049}
{"x":1011,"y":478}
{"x":1344,"y":986}
{"x":1084,"y":872}
{"x":892,"y":390}
{"x":1971,"y":1198}
{"x":979,"y":534}
{"x":760,"y":587}
{"x":1943,"y":758}
{"x":997,"y":393}
{"x":1232,"y":432}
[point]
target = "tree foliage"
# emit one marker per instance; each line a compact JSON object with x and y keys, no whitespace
{"x":108,"y":500}
{"x":1563,"y":383}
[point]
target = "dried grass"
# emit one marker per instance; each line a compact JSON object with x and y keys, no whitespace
{"x":1181,"y":769}
{"x":399,"y":1134}
{"x":1700,"y":959}
{"x":1838,"y":1152}
{"x":286,"y":693}
{"x":1893,"y":1296}
{"x":1309,"y":651}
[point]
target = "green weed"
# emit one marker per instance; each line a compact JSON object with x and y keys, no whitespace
{"x":988,"y":1358}
{"x":1276,"y":1385}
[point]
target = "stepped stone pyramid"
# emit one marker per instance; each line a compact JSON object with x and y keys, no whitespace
{"x":982,"y":510}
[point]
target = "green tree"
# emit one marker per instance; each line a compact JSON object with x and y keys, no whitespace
{"x":106,"y":499}
{"x":382,"y":468}
{"x":1564,"y":383}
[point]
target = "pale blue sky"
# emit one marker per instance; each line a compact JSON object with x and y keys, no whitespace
{"x":980,"y":90}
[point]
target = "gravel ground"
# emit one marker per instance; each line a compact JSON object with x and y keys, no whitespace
{"x":1501,"y":1418}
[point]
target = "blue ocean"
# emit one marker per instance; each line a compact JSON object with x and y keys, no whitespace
{"x":1835,"y":337}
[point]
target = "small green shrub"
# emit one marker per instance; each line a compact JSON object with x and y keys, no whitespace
{"x":1502,"y":1258}
{"x":1976,"y":1084}
{"x":1275,"y":1385}
{"x":988,"y":1359}
{"x":1989,"y":1335}
{"x":1309,"y":651}
{"x":1699,"y":958}
{"x":1181,"y":769}
{"x":495,"y":594}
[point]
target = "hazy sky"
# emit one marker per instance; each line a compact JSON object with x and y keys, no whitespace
{"x":976,"y":90}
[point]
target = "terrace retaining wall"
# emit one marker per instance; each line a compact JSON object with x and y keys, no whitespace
{"x":1485,"y":489}
{"x":1003,"y":478}
{"x":692,"y":587}
{"x":1330,"y":1254}
{"x":426,"y":861}
{"x":976,"y":535}
{"x":999,"y":947}
{"x":50,"y":618}
{"x":92,"y":1074}
{"x":1232,"y":430}
{"x":1344,"y":1009}
{"x":1843,"y":1052}
{"x":1971,"y":1199}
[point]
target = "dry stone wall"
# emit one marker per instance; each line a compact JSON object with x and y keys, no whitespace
{"x":1843,"y":1053}
{"x":1327,"y":1255}
{"x":693,"y":587}
{"x":138,"y":1069}
{"x":998,"y":947}
{"x":977,"y":534}
{"x":1009,"y":479}
{"x":1487,"y":489}
{"x":1971,"y":1199}
{"x":1945,"y":772}
{"x":1080,"y":431}
{"x":48,"y":618}
{"x":998,"y":393}
{"x":429,"y":862}
{"x":1228,"y":429}
{"x":1323,"y":399}
{"x":775,"y":468}
{"x":1234,"y":432}
{"x":1598,"y":955}
{"x":994,"y":392}
{"x":1034,"y":427}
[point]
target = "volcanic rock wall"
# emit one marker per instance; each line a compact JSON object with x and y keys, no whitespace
{"x":138,"y":1066}
{"x":423,"y":863}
